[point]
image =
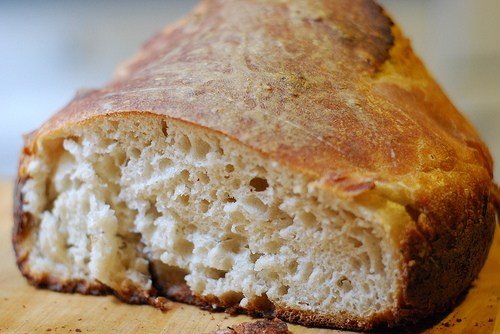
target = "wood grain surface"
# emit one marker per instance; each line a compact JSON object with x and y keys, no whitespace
{"x":24,"y":309}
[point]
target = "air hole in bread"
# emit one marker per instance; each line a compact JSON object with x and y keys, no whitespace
{"x":259,"y":184}
{"x":184,"y":247}
{"x":213,"y":195}
{"x":200,"y":148}
{"x":214,"y":274}
{"x":255,"y":256}
{"x":152,"y":211}
{"x":106,"y":167}
{"x":120,"y":159}
{"x":173,"y":274}
{"x":284,"y":289}
{"x":356,"y":264}
{"x":134,"y":153}
{"x":164,"y":128}
{"x":234,"y":244}
{"x":345,"y":284}
{"x":168,"y":280}
{"x":204,"y":205}
{"x":273,"y":245}
{"x":263,"y":304}
{"x":203,"y":178}
{"x":184,"y":176}
{"x":229,"y":168}
{"x":232,"y":298}
{"x":307,"y":218}
{"x":230,"y":199}
{"x":183,"y":199}
{"x":183,"y":143}
{"x":356,"y":243}
{"x":164,"y":163}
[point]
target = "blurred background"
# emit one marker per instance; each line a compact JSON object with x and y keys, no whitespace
{"x":50,"y":49}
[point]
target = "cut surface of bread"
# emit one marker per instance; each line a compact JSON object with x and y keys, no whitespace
{"x":136,"y":201}
{"x":281,"y":159}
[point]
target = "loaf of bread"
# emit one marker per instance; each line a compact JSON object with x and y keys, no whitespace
{"x":289,"y":159}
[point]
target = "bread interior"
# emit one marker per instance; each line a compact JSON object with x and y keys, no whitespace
{"x":116,"y":196}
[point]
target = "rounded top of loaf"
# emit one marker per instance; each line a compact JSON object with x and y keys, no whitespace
{"x":328,"y":88}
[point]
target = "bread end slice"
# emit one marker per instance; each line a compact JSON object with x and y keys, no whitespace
{"x":146,"y":207}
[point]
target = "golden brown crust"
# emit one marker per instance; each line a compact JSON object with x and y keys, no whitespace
{"x":495,"y":197}
{"x":339,"y":91}
{"x":22,"y":220}
{"x":444,"y":250}
{"x":330,"y":89}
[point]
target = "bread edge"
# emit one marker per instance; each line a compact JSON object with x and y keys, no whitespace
{"x":459,"y":251}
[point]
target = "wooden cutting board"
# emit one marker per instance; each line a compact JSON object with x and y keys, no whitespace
{"x":24,"y":309}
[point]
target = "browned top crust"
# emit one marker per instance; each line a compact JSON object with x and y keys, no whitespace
{"x":330,"y":88}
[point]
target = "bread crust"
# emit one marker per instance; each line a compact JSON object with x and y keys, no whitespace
{"x":261,"y":326}
{"x":329,"y":89}
{"x":444,"y":252}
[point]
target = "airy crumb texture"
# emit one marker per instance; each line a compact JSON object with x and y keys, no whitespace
{"x":123,"y":200}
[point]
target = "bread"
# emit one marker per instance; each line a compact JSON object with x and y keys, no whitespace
{"x":289,"y":159}
{"x":275,"y":326}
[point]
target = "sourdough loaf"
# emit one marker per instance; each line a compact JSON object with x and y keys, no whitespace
{"x":289,"y":159}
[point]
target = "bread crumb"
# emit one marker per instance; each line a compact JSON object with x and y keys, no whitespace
{"x":274,"y":326}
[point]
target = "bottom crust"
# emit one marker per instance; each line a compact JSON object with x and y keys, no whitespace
{"x":181,"y":293}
